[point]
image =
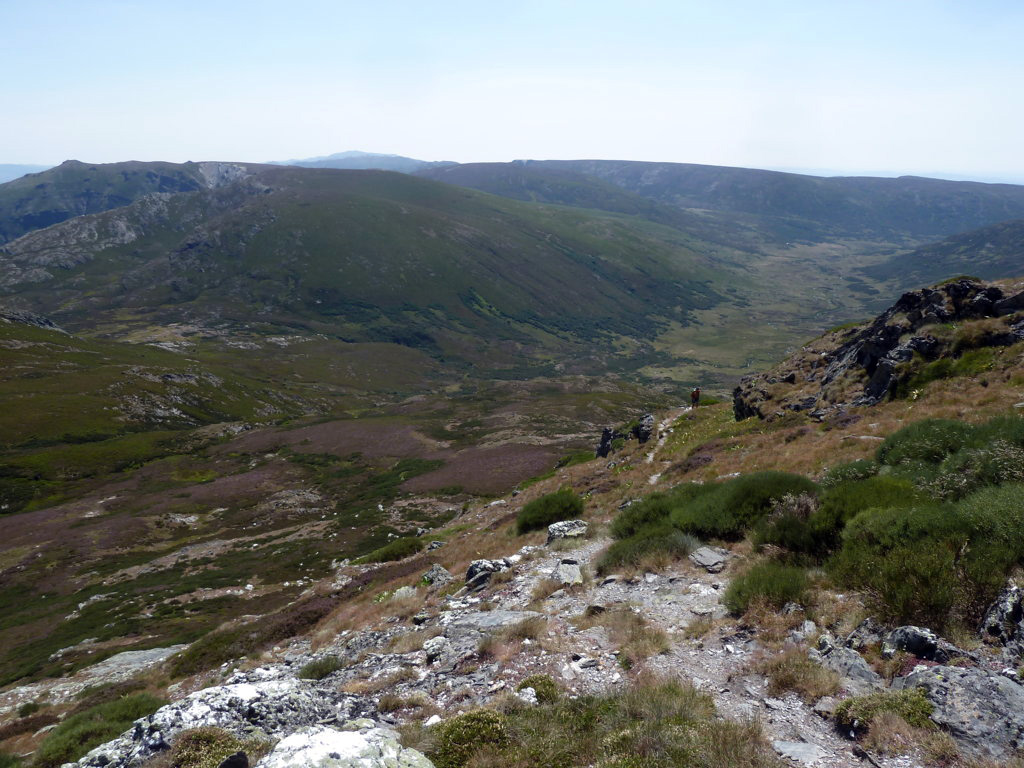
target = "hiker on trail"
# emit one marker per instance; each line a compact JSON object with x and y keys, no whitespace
{"x":695,"y":397}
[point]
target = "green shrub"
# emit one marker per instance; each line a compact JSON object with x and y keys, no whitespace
{"x":572,"y":459}
{"x":552,"y":508}
{"x":546,"y":689}
{"x":208,"y":747}
{"x":399,"y":549}
{"x":28,"y":708}
{"x":654,"y":508}
{"x":81,"y":732}
{"x":731,"y":508}
{"x":321,"y":668}
{"x":906,"y":559}
{"x":768,"y":581}
{"x":1009,"y":429}
{"x":656,"y":540}
{"x":456,"y":740}
{"x":9,"y":761}
{"x":972,"y":468}
{"x":912,"y":705}
{"x":842,"y":502}
{"x":929,"y":440}
{"x":861,"y":469}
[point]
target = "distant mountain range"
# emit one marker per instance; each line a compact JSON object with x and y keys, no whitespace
{"x":675,"y":269}
{"x":355,"y":160}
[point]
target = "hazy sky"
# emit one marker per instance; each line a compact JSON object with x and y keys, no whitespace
{"x":901,"y":86}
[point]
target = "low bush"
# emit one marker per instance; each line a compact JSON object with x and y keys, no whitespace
{"x":861,"y":469}
{"x":787,"y":525}
{"x":81,"y":732}
{"x":929,"y":440}
{"x":769,"y":581}
{"x":321,"y":668}
{"x":858,"y":712}
{"x":655,"y":508}
{"x":972,"y":468}
{"x":456,"y":740}
{"x":728,"y":510}
{"x":552,"y":508}
{"x":399,"y":549}
{"x":9,"y":761}
{"x":649,"y":546}
{"x":208,"y":747}
{"x":546,"y":688}
{"x":29,"y":708}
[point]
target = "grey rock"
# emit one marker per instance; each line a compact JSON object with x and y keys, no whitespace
{"x":237,"y":760}
{"x":272,"y":707}
{"x":857,"y":676}
{"x":982,"y":710}
{"x":435,"y":648}
{"x":438,"y":576}
{"x":527,"y":695}
{"x":608,"y":436}
{"x":1004,"y":620}
{"x":434,"y":545}
{"x":484,"y":621}
{"x":802,"y":752}
{"x":567,"y":529}
{"x":644,"y":430}
{"x":323,"y":747}
{"x":404,"y":593}
{"x":826,"y":706}
{"x":922,"y":643}
{"x":711,"y":559}
{"x":868,"y":632}
{"x":480,"y":572}
{"x":568,"y":572}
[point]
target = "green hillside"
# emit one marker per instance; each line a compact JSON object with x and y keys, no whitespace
{"x":990,"y":252}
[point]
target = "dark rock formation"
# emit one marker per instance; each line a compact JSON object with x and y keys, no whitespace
{"x":861,"y":365}
{"x":608,"y":436}
{"x":645,"y":429}
{"x":922,"y":643}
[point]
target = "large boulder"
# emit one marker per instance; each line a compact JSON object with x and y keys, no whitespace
{"x":567,"y":529}
{"x":711,"y":559}
{"x":480,"y":572}
{"x":273,"y":708}
{"x":982,"y":710}
{"x":568,"y":572}
{"x":438,"y":576}
{"x":644,"y":429}
{"x":858,"y":678}
{"x":364,"y":746}
{"x":922,"y":643}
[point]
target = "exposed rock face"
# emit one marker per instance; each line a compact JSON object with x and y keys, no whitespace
{"x":480,"y":571}
{"x":28,"y":318}
{"x":608,"y":436}
{"x":1004,"y":620}
{"x":274,"y":707}
{"x":567,"y":529}
{"x":859,"y":366}
{"x":645,"y":429}
{"x":322,"y":747}
{"x":983,"y":711}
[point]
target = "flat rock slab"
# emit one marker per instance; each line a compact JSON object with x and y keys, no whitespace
{"x":712,"y":559}
{"x":801,"y":752}
{"x":323,"y":747}
{"x":483,"y":621}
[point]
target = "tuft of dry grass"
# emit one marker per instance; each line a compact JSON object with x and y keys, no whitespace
{"x":418,"y":704}
{"x":635,"y":637}
{"x":508,"y":642}
{"x":544,"y":588}
{"x":699,"y":627}
{"x":363,"y":686}
{"x":413,"y":641}
{"x":773,"y":627}
{"x":793,"y":670}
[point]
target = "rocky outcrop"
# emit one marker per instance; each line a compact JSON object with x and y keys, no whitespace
{"x":608,"y":436}
{"x":567,"y":529}
{"x":644,"y":429}
{"x":861,"y":365}
{"x":857,"y":677}
{"x":28,"y":318}
{"x":361,"y":744}
{"x":982,"y":710}
{"x":922,"y":643}
{"x":272,"y":708}
{"x":711,"y":559}
{"x":480,"y":572}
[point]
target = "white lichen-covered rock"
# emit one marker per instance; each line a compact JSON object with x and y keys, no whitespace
{"x":567,"y":529}
{"x":273,"y":708}
{"x":323,"y":747}
{"x":568,"y":572}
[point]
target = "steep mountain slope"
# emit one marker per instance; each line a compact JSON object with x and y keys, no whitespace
{"x":990,"y":253}
{"x":368,"y":256}
{"x":74,"y":188}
